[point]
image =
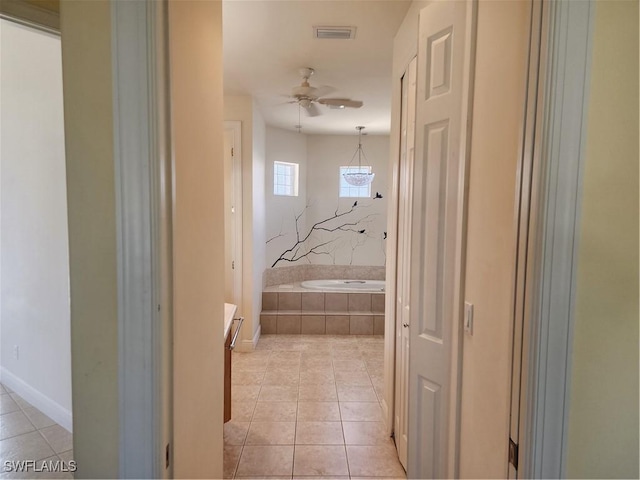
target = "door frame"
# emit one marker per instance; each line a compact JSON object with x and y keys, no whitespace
{"x":553,"y":237}
{"x":31,"y":15}
{"x":404,"y":183}
{"x":235,"y":126}
{"x":143,"y":181}
{"x":525,"y":216}
{"x":142,"y":161}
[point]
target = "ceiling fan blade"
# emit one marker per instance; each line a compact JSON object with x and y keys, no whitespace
{"x":290,"y":102}
{"x":340,"y":102}
{"x":323,"y":91}
{"x":312,"y":110}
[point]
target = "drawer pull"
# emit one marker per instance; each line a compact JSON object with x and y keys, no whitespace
{"x":235,"y":335}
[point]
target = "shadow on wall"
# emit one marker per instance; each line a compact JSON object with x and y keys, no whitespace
{"x":338,"y":237}
{"x":319,"y":226}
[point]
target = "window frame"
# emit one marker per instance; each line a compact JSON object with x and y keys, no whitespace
{"x":342,"y":183}
{"x":293,"y":172}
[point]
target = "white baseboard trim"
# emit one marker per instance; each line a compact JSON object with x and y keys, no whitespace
{"x":46,"y":405}
{"x":385,"y":415}
{"x":250,"y":345}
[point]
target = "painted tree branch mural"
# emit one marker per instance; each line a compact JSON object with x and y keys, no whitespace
{"x":315,"y":242}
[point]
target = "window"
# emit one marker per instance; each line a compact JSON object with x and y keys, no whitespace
{"x":347,"y":190}
{"x":285,"y":179}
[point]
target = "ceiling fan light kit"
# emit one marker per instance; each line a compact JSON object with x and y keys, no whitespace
{"x":359,"y":178}
{"x":309,"y":97}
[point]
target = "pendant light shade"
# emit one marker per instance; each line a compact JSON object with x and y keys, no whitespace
{"x":359,"y":178}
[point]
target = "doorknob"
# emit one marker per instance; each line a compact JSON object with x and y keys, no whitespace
{"x":405,"y":325}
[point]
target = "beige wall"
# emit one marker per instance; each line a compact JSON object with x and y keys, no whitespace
{"x":258,"y":259}
{"x":88,"y":117}
{"x":195,"y":43}
{"x":498,"y":109}
{"x":242,"y":108}
{"x":603,"y":414}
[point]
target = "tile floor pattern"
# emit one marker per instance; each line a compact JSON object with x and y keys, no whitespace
{"x":309,"y":406}
{"x":28,"y":434}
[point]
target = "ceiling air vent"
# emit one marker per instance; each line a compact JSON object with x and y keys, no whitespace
{"x":334,"y":33}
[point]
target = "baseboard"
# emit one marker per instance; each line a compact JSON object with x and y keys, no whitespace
{"x":250,"y":345}
{"x":386,"y":416}
{"x":46,"y":405}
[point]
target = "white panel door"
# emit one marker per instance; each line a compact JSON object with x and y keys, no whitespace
{"x":444,"y":53}
{"x":403,"y":279}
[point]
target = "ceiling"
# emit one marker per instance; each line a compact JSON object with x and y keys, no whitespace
{"x":266,"y":42}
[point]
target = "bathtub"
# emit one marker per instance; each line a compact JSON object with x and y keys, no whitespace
{"x":345,"y":285}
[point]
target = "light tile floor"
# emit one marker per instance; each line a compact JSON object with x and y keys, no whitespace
{"x":28,"y":434}
{"x":309,"y":406}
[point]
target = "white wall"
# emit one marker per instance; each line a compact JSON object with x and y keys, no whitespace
{"x":319,"y":177}
{"x":34,"y":244}
{"x":326,"y":153}
{"x":602,"y":440}
{"x":291,"y":147}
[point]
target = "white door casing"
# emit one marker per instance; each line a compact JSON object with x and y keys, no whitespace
{"x":402,"y":313}
{"x":559,"y":160}
{"x":233,"y":212}
{"x":228,"y":217}
{"x":527,"y":221}
{"x":445,"y":60}
{"x":143,"y":180}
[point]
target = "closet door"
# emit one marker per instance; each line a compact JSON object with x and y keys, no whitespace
{"x":442,"y":119}
{"x":405,"y":180}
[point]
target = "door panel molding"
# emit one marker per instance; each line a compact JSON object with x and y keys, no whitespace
{"x":446,"y":53}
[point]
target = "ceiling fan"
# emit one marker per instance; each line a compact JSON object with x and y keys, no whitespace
{"x":308,"y":97}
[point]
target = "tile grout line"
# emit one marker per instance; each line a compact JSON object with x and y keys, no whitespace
{"x":295,"y":425}
{"x":21,"y":410}
{"x":362,"y":345}
{"x":344,"y":438}
{"x":244,"y":442}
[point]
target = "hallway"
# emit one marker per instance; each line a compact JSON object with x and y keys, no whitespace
{"x":309,"y":406}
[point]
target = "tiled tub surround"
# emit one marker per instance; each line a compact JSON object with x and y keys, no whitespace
{"x":299,"y":311}
{"x":299,"y":273}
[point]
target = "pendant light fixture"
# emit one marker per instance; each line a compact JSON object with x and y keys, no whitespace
{"x":359,"y":178}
